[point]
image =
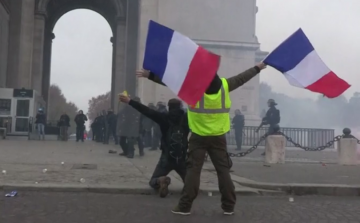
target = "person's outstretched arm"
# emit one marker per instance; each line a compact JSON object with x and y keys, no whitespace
{"x":149,"y":75}
{"x":148,"y":112}
{"x":240,"y":79}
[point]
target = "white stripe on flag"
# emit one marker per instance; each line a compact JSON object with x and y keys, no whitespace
{"x":309,"y":70}
{"x":292,"y":81}
{"x":180,"y":54}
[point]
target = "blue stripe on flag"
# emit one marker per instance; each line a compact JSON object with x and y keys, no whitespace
{"x":290,"y":53}
{"x":156,"y":48}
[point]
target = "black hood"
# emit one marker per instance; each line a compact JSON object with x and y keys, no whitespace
{"x":175,"y":115}
{"x":214,"y":86}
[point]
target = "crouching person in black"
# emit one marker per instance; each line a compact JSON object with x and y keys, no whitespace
{"x":175,"y":129}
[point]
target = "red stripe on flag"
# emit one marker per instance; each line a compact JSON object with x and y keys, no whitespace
{"x":201,"y":72}
{"x":330,"y":85}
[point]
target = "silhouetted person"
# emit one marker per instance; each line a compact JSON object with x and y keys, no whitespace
{"x":64,"y":124}
{"x":238,"y":125}
{"x":148,"y":125}
{"x":272,"y":117}
{"x":111,"y":122}
{"x":128,"y":129}
{"x":40,"y":123}
{"x":96,"y":128}
{"x":80,"y":120}
{"x":105,"y":126}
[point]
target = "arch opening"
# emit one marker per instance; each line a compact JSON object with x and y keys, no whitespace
{"x":81,"y":56}
{"x":123,"y":24}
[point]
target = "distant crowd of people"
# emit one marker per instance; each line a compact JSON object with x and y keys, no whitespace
{"x":128,"y":128}
{"x":105,"y":127}
{"x":63,"y":124}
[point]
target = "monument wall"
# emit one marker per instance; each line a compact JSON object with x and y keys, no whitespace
{"x":225,"y":29}
{"x":4,"y":37}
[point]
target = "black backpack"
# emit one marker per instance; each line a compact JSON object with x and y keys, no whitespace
{"x":176,"y":140}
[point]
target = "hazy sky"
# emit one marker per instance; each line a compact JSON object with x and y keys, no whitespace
{"x":81,"y":60}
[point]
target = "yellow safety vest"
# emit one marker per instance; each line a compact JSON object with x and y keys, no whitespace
{"x":210,"y":116}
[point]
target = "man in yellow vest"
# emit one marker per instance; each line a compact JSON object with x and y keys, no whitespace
{"x":209,"y":122}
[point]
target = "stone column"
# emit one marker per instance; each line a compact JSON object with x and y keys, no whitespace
{"x":119,"y":75}
{"x":20,"y":43}
{"x":347,"y":149}
{"x":38,"y":51}
{"x":49,"y":36}
{"x":132,"y":37}
{"x":275,"y":149}
{"x":113,"y":94}
{"x":4,"y":38}
{"x":149,"y":9}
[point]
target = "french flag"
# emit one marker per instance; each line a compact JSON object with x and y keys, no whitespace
{"x":297,"y":59}
{"x":186,"y":68}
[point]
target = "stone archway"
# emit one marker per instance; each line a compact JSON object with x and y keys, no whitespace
{"x":38,"y":18}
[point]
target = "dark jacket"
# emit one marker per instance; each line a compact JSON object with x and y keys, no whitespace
{"x":80,"y":119}
{"x":238,"y":122}
{"x":157,"y":130}
{"x":111,"y":120}
{"x":95,"y":123}
{"x":272,"y":116}
{"x":163,"y":119}
{"x":147,"y":124}
{"x":128,"y":122}
{"x":40,"y":118}
{"x":64,"y":120}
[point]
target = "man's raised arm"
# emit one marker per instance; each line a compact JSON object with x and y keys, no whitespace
{"x":240,"y":79}
{"x":148,"y":112}
{"x":149,"y":75}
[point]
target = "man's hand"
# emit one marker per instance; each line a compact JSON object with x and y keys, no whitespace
{"x":142,"y":73}
{"x":124,"y":98}
{"x":261,"y":66}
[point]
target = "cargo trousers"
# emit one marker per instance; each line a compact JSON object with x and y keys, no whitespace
{"x":215,"y":146}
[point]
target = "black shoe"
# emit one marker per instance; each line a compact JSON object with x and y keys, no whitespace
{"x":130,"y":156}
{"x":263,"y":154}
{"x":122,"y":154}
{"x":112,"y":151}
{"x":177,"y":210}
{"x":142,"y":153}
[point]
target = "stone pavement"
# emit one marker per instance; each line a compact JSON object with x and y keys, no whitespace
{"x":297,"y":178}
{"x":293,"y":155}
{"x":25,"y":161}
{"x":298,"y":173}
{"x":42,"y":207}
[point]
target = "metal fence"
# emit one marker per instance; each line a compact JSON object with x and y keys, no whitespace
{"x":51,"y":127}
{"x":304,"y":136}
